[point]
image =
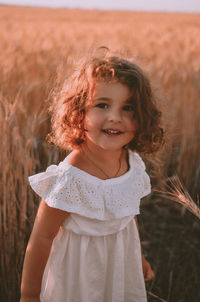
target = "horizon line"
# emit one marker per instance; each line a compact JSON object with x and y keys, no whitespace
{"x":103,"y":9}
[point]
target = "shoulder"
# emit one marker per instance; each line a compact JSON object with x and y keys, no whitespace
{"x":73,"y":158}
{"x":76,"y":159}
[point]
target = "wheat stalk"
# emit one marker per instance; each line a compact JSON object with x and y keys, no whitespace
{"x":155,"y":296}
{"x":177,"y":192}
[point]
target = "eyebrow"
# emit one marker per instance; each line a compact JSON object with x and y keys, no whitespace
{"x":103,"y":99}
{"x":128,"y":101}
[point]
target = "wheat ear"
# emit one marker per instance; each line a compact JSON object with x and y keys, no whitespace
{"x":177,"y":192}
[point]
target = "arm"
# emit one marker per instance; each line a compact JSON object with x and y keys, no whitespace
{"x":46,"y":226}
{"x":147,"y":270}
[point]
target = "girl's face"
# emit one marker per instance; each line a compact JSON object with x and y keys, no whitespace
{"x":109,"y":119}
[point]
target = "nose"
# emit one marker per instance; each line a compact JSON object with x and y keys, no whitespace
{"x":115,"y":115}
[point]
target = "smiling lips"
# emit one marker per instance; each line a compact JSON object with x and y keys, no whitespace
{"x":112,"y":131}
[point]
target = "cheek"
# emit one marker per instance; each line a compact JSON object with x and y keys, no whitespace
{"x":132,"y":123}
{"x":91,"y":120}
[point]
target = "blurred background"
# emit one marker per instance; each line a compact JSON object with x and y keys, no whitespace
{"x":38,"y":46}
{"x":142,"y":5}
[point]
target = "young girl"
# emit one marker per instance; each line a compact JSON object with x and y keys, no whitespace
{"x":85,"y":246}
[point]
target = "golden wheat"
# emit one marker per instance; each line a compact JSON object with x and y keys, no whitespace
{"x":174,"y":190}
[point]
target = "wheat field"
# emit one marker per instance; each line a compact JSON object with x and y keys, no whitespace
{"x":37,"y":50}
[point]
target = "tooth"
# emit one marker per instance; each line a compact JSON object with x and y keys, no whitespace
{"x":113,"y":131}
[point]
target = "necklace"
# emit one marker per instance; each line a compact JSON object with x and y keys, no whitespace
{"x":100,"y":169}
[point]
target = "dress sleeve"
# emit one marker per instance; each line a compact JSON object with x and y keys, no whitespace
{"x":49,"y":186}
{"x":145,"y":177}
{"x":60,"y":189}
{"x":147,"y":185}
{"x":43,"y":183}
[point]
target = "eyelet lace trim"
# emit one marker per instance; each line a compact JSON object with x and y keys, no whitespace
{"x":70,"y":189}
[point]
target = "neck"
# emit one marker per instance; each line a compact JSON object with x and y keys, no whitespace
{"x":104,"y":164}
{"x":107,"y":156}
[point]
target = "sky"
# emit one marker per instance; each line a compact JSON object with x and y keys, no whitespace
{"x":146,"y":5}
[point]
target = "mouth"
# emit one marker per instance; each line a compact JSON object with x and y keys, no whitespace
{"x":112,"y":131}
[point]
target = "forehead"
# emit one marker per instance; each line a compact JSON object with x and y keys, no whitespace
{"x":111,"y":90}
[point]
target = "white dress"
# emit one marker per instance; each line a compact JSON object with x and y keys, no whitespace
{"x":96,"y":254}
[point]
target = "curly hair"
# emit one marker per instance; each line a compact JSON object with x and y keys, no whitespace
{"x":68,"y":106}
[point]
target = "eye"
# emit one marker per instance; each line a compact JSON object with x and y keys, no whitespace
{"x":102,"y":105}
{"x":128,"y":108}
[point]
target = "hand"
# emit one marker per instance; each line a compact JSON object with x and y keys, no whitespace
{"x":147,"y":270}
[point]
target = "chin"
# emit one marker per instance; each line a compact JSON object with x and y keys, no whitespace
{"x":111,"y":148}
